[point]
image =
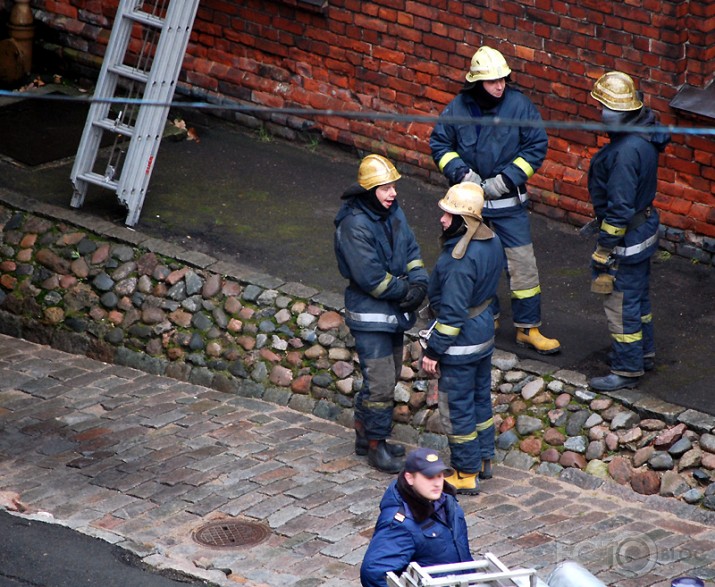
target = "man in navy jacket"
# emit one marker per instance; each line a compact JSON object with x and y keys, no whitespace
{"x":622,"y":182}
{"x":420,"y":521}
{"x":501,"y":159}
{"x":459,"y":349}
{"x":379,"y":255}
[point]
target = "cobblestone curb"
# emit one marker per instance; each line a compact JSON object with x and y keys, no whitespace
{"x":113,"y":294}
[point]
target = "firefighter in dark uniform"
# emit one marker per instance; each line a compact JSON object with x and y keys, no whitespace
{"x":622,"y":181}
{"x":501,"y":159}
{"x":420,"y":521}
{"x":461,"y":340}
{"x":379,"y":255}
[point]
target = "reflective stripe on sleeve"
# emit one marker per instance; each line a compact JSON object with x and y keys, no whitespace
{"x":446,"y":158}
{"x":524,"y":165}
{"x":612,"y":230}
{"x":416,"y":264}
{"x":382,"y":286}
{"x":447,"y":330}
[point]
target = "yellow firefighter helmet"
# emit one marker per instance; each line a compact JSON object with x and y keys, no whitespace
{"x":617,"y":91}
{"x":376,"y":170}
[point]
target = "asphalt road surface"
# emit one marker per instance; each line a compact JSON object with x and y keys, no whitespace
{"x":38,"y":554}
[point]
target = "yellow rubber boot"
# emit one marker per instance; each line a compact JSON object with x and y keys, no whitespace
{"x":466,"y":483}
{"x":531,"y":337}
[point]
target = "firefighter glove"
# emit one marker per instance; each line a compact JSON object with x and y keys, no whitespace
{"x":603,"y":284}
{"x":472,"y":176}
{"x":601,"y":258}
{"x":414,"y":297}
{"x":495,"y":187}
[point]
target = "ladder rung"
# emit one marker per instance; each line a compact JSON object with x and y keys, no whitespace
{"x":112,"y":126}
{"x":146,"y":18}
{"x":99,"y":180}
{"x":130,"y":72}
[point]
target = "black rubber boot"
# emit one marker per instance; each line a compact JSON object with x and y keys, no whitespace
{"x":613,"y":382}
{"x":378,"y":456}
{"x":396,"y":450}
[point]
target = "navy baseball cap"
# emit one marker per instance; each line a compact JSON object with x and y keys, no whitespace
{"x":426,"y":461}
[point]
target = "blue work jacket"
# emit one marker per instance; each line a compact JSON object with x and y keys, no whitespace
{"x":380,"y":257}
{"x":516,"y":152}
{"x":622,"y":181}
{"x":456,"y":286}
{"x":399,"y":540}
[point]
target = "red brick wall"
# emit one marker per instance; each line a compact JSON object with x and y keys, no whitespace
{"x":408,"y":57}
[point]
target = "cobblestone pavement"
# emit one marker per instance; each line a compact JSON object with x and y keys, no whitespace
{"x":144,"y":461}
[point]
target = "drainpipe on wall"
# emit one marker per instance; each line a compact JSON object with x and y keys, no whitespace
{"x":22,"y":31}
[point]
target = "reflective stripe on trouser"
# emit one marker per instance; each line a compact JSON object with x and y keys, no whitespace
{"x":522,"y":272}
{"x":628,"y":312}
{"x":465,"y":408}
{"x":380,"y":355}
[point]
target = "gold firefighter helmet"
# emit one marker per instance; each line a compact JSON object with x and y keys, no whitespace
{"x":467,"y":200}
{"x":487,"y":65}
{"x":376,"y":170}
{"x":617,"y":91}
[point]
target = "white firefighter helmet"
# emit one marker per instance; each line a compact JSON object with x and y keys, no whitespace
{"x":487,"y":65}
{"x":466,"y":199}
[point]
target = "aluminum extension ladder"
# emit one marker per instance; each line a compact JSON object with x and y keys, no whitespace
{"x":486,"y":572}
{"x":142,"y":64}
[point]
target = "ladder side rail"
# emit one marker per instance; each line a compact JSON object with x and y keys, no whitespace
{"x":495,"y":578}
{"x":467,"y":574}
{"x":87,"y":151}
{"x":532,"y":578}
{"x":450,"y":567}
{"x":99,"y":110}
{"x":166,"y":65}
{"x":151,"y":119}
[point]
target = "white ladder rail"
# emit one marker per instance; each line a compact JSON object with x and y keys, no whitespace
{"x":159,"y":84}
{"x":486,"y":572}
{"x":99,"y":107}
{"x":160,"y":88}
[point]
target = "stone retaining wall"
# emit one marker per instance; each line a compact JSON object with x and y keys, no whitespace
{"x":112,"y":294}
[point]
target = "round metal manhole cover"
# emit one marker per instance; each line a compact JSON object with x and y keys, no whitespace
{"x":230,"y":534}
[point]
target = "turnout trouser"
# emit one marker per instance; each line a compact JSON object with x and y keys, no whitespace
{"x":465,"y":408}
{"x":380,"y":355}
{"x":630,"y":321}
{"x":521,"y":270}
